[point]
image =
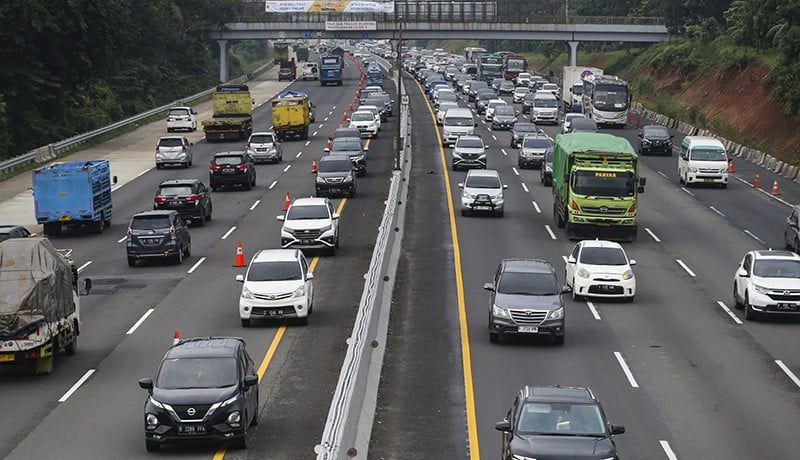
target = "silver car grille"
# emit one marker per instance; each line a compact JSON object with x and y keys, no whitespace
{"x":282,"y":296}
{"x":528,"y":317}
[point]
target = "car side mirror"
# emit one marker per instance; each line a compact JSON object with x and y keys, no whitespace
{"x":87,"y":286}
{"x":366,"y":149}
{"x":571,"y":259}
{"x":488,"y":286}
{"x":250,"y":380}
{"x":460,"y":185}
{"x":114,"y":180}
{"x":193,"y":112}
{"x":146,"y":384}
{"x":505,"y":186}
{"x":485,"y":147}
{"x":503,"y":425}
{"x":632,"y":262}
{"x":743,"y":273}
{"x":671,"y":136}
{"x":640,"y":189}
{"x":617,"y":429}
{"x":475,"y":125}
{"x":565,"y":289}
{"x":642,"y":181}
{"x":239,"y":278}
{"x":641,"y":135}
{"x":191,"y":143}
{"x":280,"y":218}
{"x":326,"y":150}
{"x":309,"y":276}
{"x":335,"y":216}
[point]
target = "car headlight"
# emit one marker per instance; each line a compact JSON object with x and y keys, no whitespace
{"x":645,"y":142}
{"x":760,"y":289}
{"x":692,"y":170}
{"x":556,"y":314}
{"x":456,"y":154}
{"x":628,"y":275}
{"x":246,"y":293}
{"x":583,"y":273}
{"x":228,"y":401}
{"x":500,"y":312}
{"x":468,"y":195}
{"x":151,"y":421}
{"x":299,"y":292}
{"x":481,"y":157}
{"x":325,"y":228}
{"x":723,"y":171}
{"x":320,"y":180}
{"x":349,"y":178}
{"x":234,"y":419}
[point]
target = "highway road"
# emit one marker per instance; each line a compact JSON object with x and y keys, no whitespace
{"x":682,"y":370}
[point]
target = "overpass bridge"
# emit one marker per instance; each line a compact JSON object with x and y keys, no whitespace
{"x":438,"y":20}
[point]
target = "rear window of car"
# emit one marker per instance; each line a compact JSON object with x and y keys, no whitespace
{"x":178,"y":112}
{"x":261,"y":139}
{"x":363,"y":116}
{"x":150,"y":222}
{"x":274,"y":271}
{"x":170,"y":142}
{"x":504,"y":110}
{"x":228,"y":160}
{"x":524,"y":128}
{"x":307,"y":212}
{"x":197,"y":373}
{"x":171,"y":190}
{"x":342,"y":146}
{"x":346,"y":132}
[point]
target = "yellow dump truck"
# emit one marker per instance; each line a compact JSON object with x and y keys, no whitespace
{"x":291,"y":115}
{"x":233,"y":114}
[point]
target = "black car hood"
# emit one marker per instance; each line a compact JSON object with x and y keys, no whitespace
{"x":193,"y":395}
{"x":333,"y":174}
{"x":563,"y":447}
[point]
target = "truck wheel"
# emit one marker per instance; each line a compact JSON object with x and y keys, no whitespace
{"x":557,"y":216}
{"x":71,"y":348}
{"x":100,"y":225}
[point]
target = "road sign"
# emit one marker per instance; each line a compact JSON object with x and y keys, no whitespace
{"x":306,"y":34}
{"x":394,"y":54}
{"x":364,"y":34}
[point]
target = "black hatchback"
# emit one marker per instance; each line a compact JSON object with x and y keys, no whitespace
{"x":655,"y":139}
{"x":205,"y":389}
{"x":190,"y":197}
{"x":232,"y":168}
{"x":158,"y":235}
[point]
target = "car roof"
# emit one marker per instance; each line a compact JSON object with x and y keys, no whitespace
{"x":469,"y":136}
{"x":263,"y":133}
{"x":171,"y":137}
{"x":527,"y":266}
{"x":770,"y":254}
{"x":8,"y":228}
{"x":310,"y":201}
{"x":155,"y":213}
{"x":230,"y":153}
{"x":179,"y":182}
{"x":205,"y":347}
{"x":558,"y":394}
{"x":275,"y":255}
{"x":600,"y":244}
{"x":483,"y":172}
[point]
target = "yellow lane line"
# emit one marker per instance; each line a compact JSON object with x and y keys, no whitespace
{"x":220,"y":454}
{"x":469,"y":392}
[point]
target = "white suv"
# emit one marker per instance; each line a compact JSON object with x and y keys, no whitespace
{"x":767,"y":283}
{"x":278,"y":284}
{"x":364,"y":122}
{"x":310,"y":223}
{"x":600,"y":269}
{"x":482,"y":191}
{"x":181,"y":118}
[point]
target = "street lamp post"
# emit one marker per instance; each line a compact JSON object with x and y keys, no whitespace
{"x":398,"y":101}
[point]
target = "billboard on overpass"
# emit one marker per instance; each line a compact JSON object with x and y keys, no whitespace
{"x":323,"y":6}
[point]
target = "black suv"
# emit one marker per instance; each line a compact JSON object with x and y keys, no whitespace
{"x":335,"y":175}
{"x":557,"y":422}
{"x":158,"y":234}
{"x":232,"y":168}
{"x":655,"y":139}
{"x":525,"y":300}
{"x":190,"y":197}
{"x":206,"y":388}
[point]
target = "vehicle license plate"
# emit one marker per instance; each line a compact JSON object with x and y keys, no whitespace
{"x":191,"y":429}
{"x":274,"y":313}
{"x":528,"y":329}
{"x":708,"y":180}
{"x":227,"y":171}
{"x":6,"y":357}
{"x":787,"y":306}
{"x":483,"y":208}
{"x":306,"y":241}
{"x":261,"y":150}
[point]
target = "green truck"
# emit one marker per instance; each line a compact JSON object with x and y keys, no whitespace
{"x":233,"y":114}
{"x":596,"y":186}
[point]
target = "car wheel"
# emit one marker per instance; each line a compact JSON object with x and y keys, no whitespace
{"x":736,"y":302}
{"x":253,"y":182}
{"x":336,"y":243}
{"x":499,"y":213}
{"x":241,"y":442}
{"x":463,"y":212}
{"x":185,"y":165}
{"x":630,"y":299}
{"x":210,"y":210}
{"x":169,"y":130}
{"x":188,"y":251}
{"x":797,"y":246}
{"x":131,"y":261}
{"x":494,"y":337}
{"x":201,"y":221}
{"x":558,"y":339}
{"x":247,"y":185}
{"x":749,"y":313}
{"x":575,"y":296}
{"x":152,"y":446}
{"x":245,"y":322}
{"x":254,"y":421}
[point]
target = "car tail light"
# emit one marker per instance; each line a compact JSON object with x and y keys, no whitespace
{"x":192,"y":198}
{"x":214,"y":167}
{"x":158,"y":147}
{"x":130,"y":232}
{"x":242,"y":166}
{"x":172,"y":231}
{"x":183,"y":148}
{"x":247,"y":145}
{"x":160,"y":199}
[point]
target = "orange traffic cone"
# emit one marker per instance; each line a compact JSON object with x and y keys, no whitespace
{"x":639,"y":123}
{"x":344,"y":118}
{"x":313,"y":165}
{"x":330,"y":143}
{"x":286,"y":202}
{"x":629,"y":120}
{"x":351,"y":107}
{"x":775,"y":190}
{"x":757,"y":180}
{"x":731,"y":169}
{"x":176,"y":338}
{"x":239,"y":261}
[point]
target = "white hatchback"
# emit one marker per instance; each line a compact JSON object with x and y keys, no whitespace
{"x":278,"y":284}
{"x":598,"y":268}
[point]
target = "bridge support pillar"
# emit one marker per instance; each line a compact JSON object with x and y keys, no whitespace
{"x":223,"y":60}
{"x":573,"y":52}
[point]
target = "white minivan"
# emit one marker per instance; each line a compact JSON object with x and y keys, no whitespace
{"x":545,"y":108}
{"x":702,"y":160}
{"x":457,"y":122}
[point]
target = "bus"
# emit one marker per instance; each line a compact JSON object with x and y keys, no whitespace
{"x":513,"y":64}
{"x":472,"y":53}
{"x":606,"y":100}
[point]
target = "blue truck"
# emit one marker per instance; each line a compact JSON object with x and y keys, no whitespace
{"x":374,"y":76}
{"x":330,"y":70}
{"x":73,"y":194}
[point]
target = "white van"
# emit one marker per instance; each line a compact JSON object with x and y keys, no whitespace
{"x":457,"y":122}
{"x":545,"y":108}
{"x":702,"y":160}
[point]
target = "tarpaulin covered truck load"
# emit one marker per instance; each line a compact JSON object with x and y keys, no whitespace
{"x":39,"y":303}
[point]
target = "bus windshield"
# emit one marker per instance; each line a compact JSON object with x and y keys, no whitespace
{"x":612,"y":98}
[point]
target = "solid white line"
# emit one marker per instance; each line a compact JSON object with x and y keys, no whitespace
{"x":515,"y":170}
{"x":729,"y":312}
{"x":685,"y":267}
{"x":668,"y":450}
{"x":76,"y":386}
{"x":552,"y":235}
{"x":288,"y":167}
{"x":504,"y":152}
{"x":593,"y":310}
{"x":788,"y":372}
{"x":662,"y":175}
{"x":298,"y":154}
{"x":143,"y":172}
{"x":308,"y":142}
{"x":525,"y":187}
{"x":197,"y":264}
{"x":122,"y":239}
{"x":273,"y":184}
{"x":228,"y":233}
{"x":625,"y":369}
{"x":687,"y":191}
{"x":141,"y":320}
{"x":751,"y":235}
{"x":80,"y":269}
{"x":652,"y":235}
{"x":716,"y":211}
{"x":255,"y":204}
{"x":536,"y":207}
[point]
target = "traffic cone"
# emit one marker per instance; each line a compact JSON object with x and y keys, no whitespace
{"x":344,"y":117}
{"x":351,"y":107}
{"x":330,"y":142}
{"x":239,"y":261}
{"x":731,"y":169}
{"x":286,"y":202}
{"x":757,"y":180}
{"x":775,"y":190}
{"x":176,"y":338}
{"x":629,"y":119}
{"x":639,"y":123}
{"x":313,"y":165}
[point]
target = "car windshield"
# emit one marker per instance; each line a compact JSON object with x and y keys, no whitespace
{"x":545,"y":103}
{"x":228,"y":160}
{"x":261,"y":139}
{"x":458,"y":121}
{"x":483,"y":182}
{"x":708,"y":154}
{"x":274,"y":271}
{"x":486,"y":96}
{"x":443,"y":106}
{"x":334,"y":166}
{"x":362,"y":116}
{"x":603,"y":183}
{"x":170,"y":142}
{"x":186,"y":373}
{"x":655,"y":132}
{"x":507,"y":84}
{"x":504,"y":110}
{"x":550,"y":87}
{"x":536,"y":143}
{"x":346,"y":146}
{"x":170,"y":190}
{"x":567,"y":419}
{"x":476,"y":85}
{"x":777,"y":268}
{"x":469,"y":143}
{"x":178,"y":112}
{"x":447,"y":96}
{"x":526,"y":283}
{"x":603,"y":256}
{"x":307,"y":212}
{"x":150,"y":223}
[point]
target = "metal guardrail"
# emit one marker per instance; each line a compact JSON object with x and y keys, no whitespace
{"x":52,"y":151}
{"x":349,"y":423}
